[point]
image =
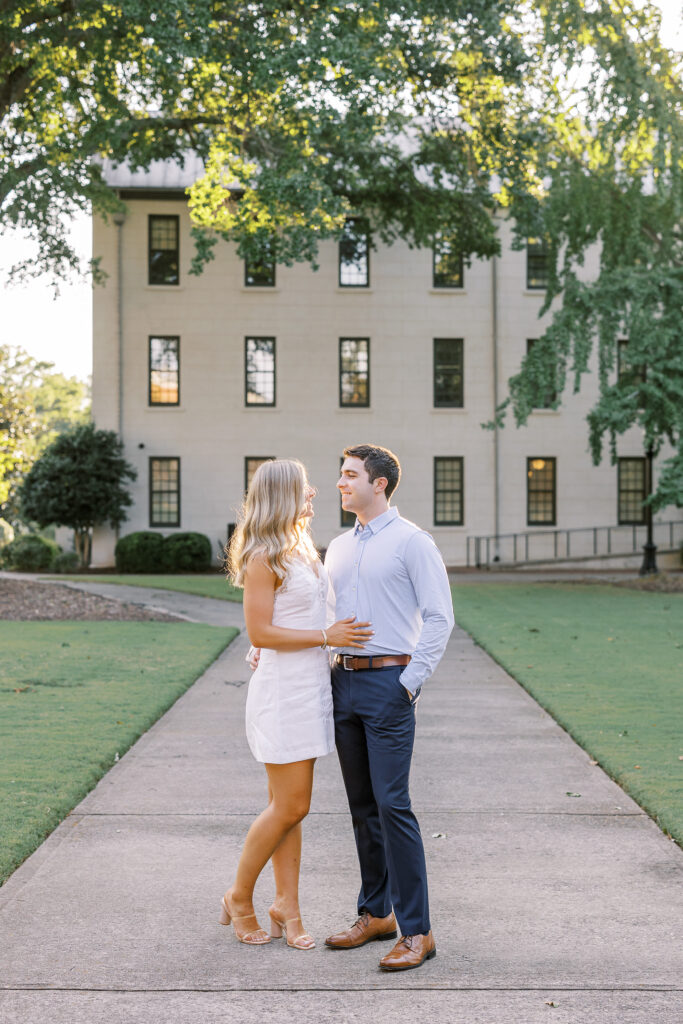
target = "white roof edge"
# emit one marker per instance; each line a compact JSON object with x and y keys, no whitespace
{"x":170,"y":174}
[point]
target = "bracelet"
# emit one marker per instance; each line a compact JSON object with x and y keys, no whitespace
{"x":324,"y":643}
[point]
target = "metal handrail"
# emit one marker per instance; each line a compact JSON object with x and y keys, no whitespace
{"x":486,"y":550}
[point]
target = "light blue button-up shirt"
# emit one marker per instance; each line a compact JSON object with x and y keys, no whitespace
{"x":391,"y":573}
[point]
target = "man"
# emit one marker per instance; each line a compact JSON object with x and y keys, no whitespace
{"x":388,"y":572}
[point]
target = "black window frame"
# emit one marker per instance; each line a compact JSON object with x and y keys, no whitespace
{"x":461,"y":491}
{"x":150,"y":370}
{"x":630,"y":376}
{"x":260,"y":284}
{"x":342,"y":403}
{"x":621,"y":490}
{"x":621,"y":347}
{"x":152,"y":492}
{"x":445,"y":284}
{"x":254,"y":458}
{"x":551,"y":398}
{"x":455,"y":403}
{"x":537,"y":250}
{"x":259,"y":405}
{"x":529,"y":469}
{"x":168,"y":217}
{"x":366,"y":232}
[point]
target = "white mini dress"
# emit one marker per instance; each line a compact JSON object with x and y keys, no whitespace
{"x":289,"y":702}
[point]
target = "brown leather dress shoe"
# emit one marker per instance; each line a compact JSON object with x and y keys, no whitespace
{"x":410,"y":951}
{"x":366,"y":929}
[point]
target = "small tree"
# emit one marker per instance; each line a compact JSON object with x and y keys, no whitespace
{"x":18,"y":423}
{"x":79,"y":481}
{"x":36,"y":405}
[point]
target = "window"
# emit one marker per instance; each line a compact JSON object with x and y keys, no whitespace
{"x":540,"y":492}
{"x":259,"y":361}
{"x":354,"y":371}
{"x":631,"y":476}
{"x":260,"y":273}
{"x":164,"y":370}
{"x":164,"y":257}
{"x":164,"y":492}
{"x":448,"y":491}
{"x":447,"y":268}
{"x":536,"y":264}
{"x":626,"y":373}
{"x":251,"y":464}
{"x":448,"y":373}
{"x":548,"y":399}
{"x":354,"y":255}
{"x":347,"y":518}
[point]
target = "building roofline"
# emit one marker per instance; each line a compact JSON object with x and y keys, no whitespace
{"x":175,"y":194}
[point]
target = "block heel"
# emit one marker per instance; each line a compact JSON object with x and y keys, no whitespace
{"x":252,"y":936}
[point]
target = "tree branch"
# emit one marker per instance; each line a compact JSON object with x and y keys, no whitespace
{"x":21,"y":172}
{"x":15,"y":86}
{"x":45,"y":14}
{"x":178,"y":123}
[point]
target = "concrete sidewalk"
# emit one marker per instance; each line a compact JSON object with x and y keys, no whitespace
{"x":538,"y":897}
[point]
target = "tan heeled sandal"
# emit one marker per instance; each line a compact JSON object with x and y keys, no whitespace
{"x":256,"y":937}
{"x":279,"y":928}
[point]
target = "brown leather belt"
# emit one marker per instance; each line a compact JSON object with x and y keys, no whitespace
{"x":351,"y":663}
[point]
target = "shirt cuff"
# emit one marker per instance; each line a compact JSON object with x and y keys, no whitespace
{"x":411,"y":685}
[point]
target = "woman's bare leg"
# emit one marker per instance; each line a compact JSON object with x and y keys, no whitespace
{"x":290,"y":787}
{"x":286,"y":862}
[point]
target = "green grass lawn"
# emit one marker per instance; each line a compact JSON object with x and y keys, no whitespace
{"x":73,"y":695}
{"x":607,"y":663}
{"x":204,"y":586}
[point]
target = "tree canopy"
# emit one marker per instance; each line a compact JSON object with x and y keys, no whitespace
{"x":304,"y":105}
{"x":612,"y":172}
{"x":36,"y":404}
{"x":17,"y":424}
{"x":423,"y":116}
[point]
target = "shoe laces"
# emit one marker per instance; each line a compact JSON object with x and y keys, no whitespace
{"x":407,"y":941}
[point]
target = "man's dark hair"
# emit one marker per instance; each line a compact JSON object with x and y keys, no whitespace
{"x":378,"y":462}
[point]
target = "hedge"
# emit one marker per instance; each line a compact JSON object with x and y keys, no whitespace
{"x":187,"y":552}
{"x":147,"y":552}
{"x":29,"y":553}
{"x":140,"y":552}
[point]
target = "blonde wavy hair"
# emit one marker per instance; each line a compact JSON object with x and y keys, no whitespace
{"x":270,"y":521}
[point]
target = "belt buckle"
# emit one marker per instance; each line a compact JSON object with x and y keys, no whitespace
{"x":347,"y":668}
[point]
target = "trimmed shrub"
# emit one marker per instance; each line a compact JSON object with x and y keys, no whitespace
{"x":30,"y":553}
{"x":141,"y":551}
{"x":68,"y":561}
{"x":187,"y":552}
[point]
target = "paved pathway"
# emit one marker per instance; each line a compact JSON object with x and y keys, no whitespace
{"x":538,"y":897}
{"x":187,"y":606}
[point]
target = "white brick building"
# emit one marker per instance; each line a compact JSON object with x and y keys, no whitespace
{"x":201,"y":374}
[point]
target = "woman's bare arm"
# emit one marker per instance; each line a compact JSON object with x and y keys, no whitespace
{"x":259,"y":601}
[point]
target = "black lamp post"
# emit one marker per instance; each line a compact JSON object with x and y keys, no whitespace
{"x":649,"y":565}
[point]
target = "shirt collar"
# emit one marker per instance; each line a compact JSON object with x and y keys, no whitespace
{"x":378,"y":523}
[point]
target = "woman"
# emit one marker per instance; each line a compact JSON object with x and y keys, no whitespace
{"x":289,"y":705}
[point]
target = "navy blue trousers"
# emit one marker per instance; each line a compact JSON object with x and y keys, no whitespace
{"x":374,"y":720}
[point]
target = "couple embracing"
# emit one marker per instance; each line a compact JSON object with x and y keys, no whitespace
{"x":353,"y":682}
